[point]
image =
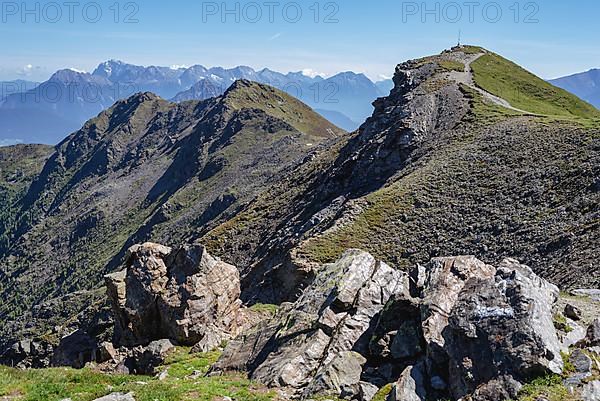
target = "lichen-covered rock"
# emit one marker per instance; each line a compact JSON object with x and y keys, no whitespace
{"x":341,"y":375}
{"x":182,"y":294}
{"x":591,"y":391}
{"x":592,"y":337}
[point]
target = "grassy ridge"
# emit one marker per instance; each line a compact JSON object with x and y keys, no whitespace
{"x":526,"y":91}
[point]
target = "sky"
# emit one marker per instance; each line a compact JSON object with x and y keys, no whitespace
{"x":550,"y":38}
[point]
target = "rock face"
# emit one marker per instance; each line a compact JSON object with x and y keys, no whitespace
{"x":460,"y":328}
{"x":183,"y":295}
{"x":316,"y":343}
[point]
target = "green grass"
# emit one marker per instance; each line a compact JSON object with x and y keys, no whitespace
{"x":549,"y":387}
{"x":86,"y":385}
{"x":526,"y":91}
{"x":560,"y":323}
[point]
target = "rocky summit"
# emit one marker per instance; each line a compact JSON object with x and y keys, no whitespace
{"x":242,"y":247}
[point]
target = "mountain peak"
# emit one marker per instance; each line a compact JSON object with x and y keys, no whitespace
{"x":70,"y":76}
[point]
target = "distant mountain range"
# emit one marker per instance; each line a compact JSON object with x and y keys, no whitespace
{"x":18,"y":86}
{"x":585,"y":85}
{"x":48,"y":112}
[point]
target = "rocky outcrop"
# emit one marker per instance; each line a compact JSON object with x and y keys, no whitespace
{"x":184,"y":295}
{"x":315,"y":345}
{"x":138,"y":360}
{"x":460,"y":328}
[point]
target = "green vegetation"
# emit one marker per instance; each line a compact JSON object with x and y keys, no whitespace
{"x":549,"y":387}
{"x":383,"y":393}
{"x":85,"y":385}
{"x":452,"y":65}
{"x":471,"y":49}
{"x":265,"y":308}
{"x":526,"y":91}
{"x":485,"y":113}
{"x":279,"y":104}
{"x":444,"y":64}
{"x":560,"y":323}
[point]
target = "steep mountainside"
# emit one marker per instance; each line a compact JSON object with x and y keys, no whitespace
{"x":586,"y":85}
{"x":19,"y":165}
{"x":147,"y":168}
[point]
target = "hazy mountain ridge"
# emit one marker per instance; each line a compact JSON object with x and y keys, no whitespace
{"x":59,"y":106}
{"x":586,"y":85}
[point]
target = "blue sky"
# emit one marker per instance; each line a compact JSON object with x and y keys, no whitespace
{"x":550,"y":38}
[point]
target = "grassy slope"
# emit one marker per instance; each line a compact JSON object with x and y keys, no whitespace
{"x":86,"y":385}
{"x":526,"y":91}
{"x":248,"y":94}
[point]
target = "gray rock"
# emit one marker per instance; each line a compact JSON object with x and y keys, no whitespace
{"x":340,"y":377}
{"x":502,"y":326}
{"x":117,"y":397}
{"x":27,"y":354}
{"x":212,"y":339}
{"x":162,"y":375}
{"x":581,"y":362}
{"x":573,"y":337}
{"x":591,"y":391}
{"x":444,"y":281}
{"x":572,"y":312}
{"x":75,"y":350}
{"x":410,"y":386}
{"x":175,"y":294}
{"x":366,"y":391}
{"x":398,"y":335}
{"x":498,"y":389}
{"x":593,"y":334}
{"x":106,"y":352}
{"x":147,"y":359}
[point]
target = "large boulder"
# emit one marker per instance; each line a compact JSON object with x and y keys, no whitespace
{"x":315,"y":344}
{"x":180,"y":294}
{"x":501,"y":330}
